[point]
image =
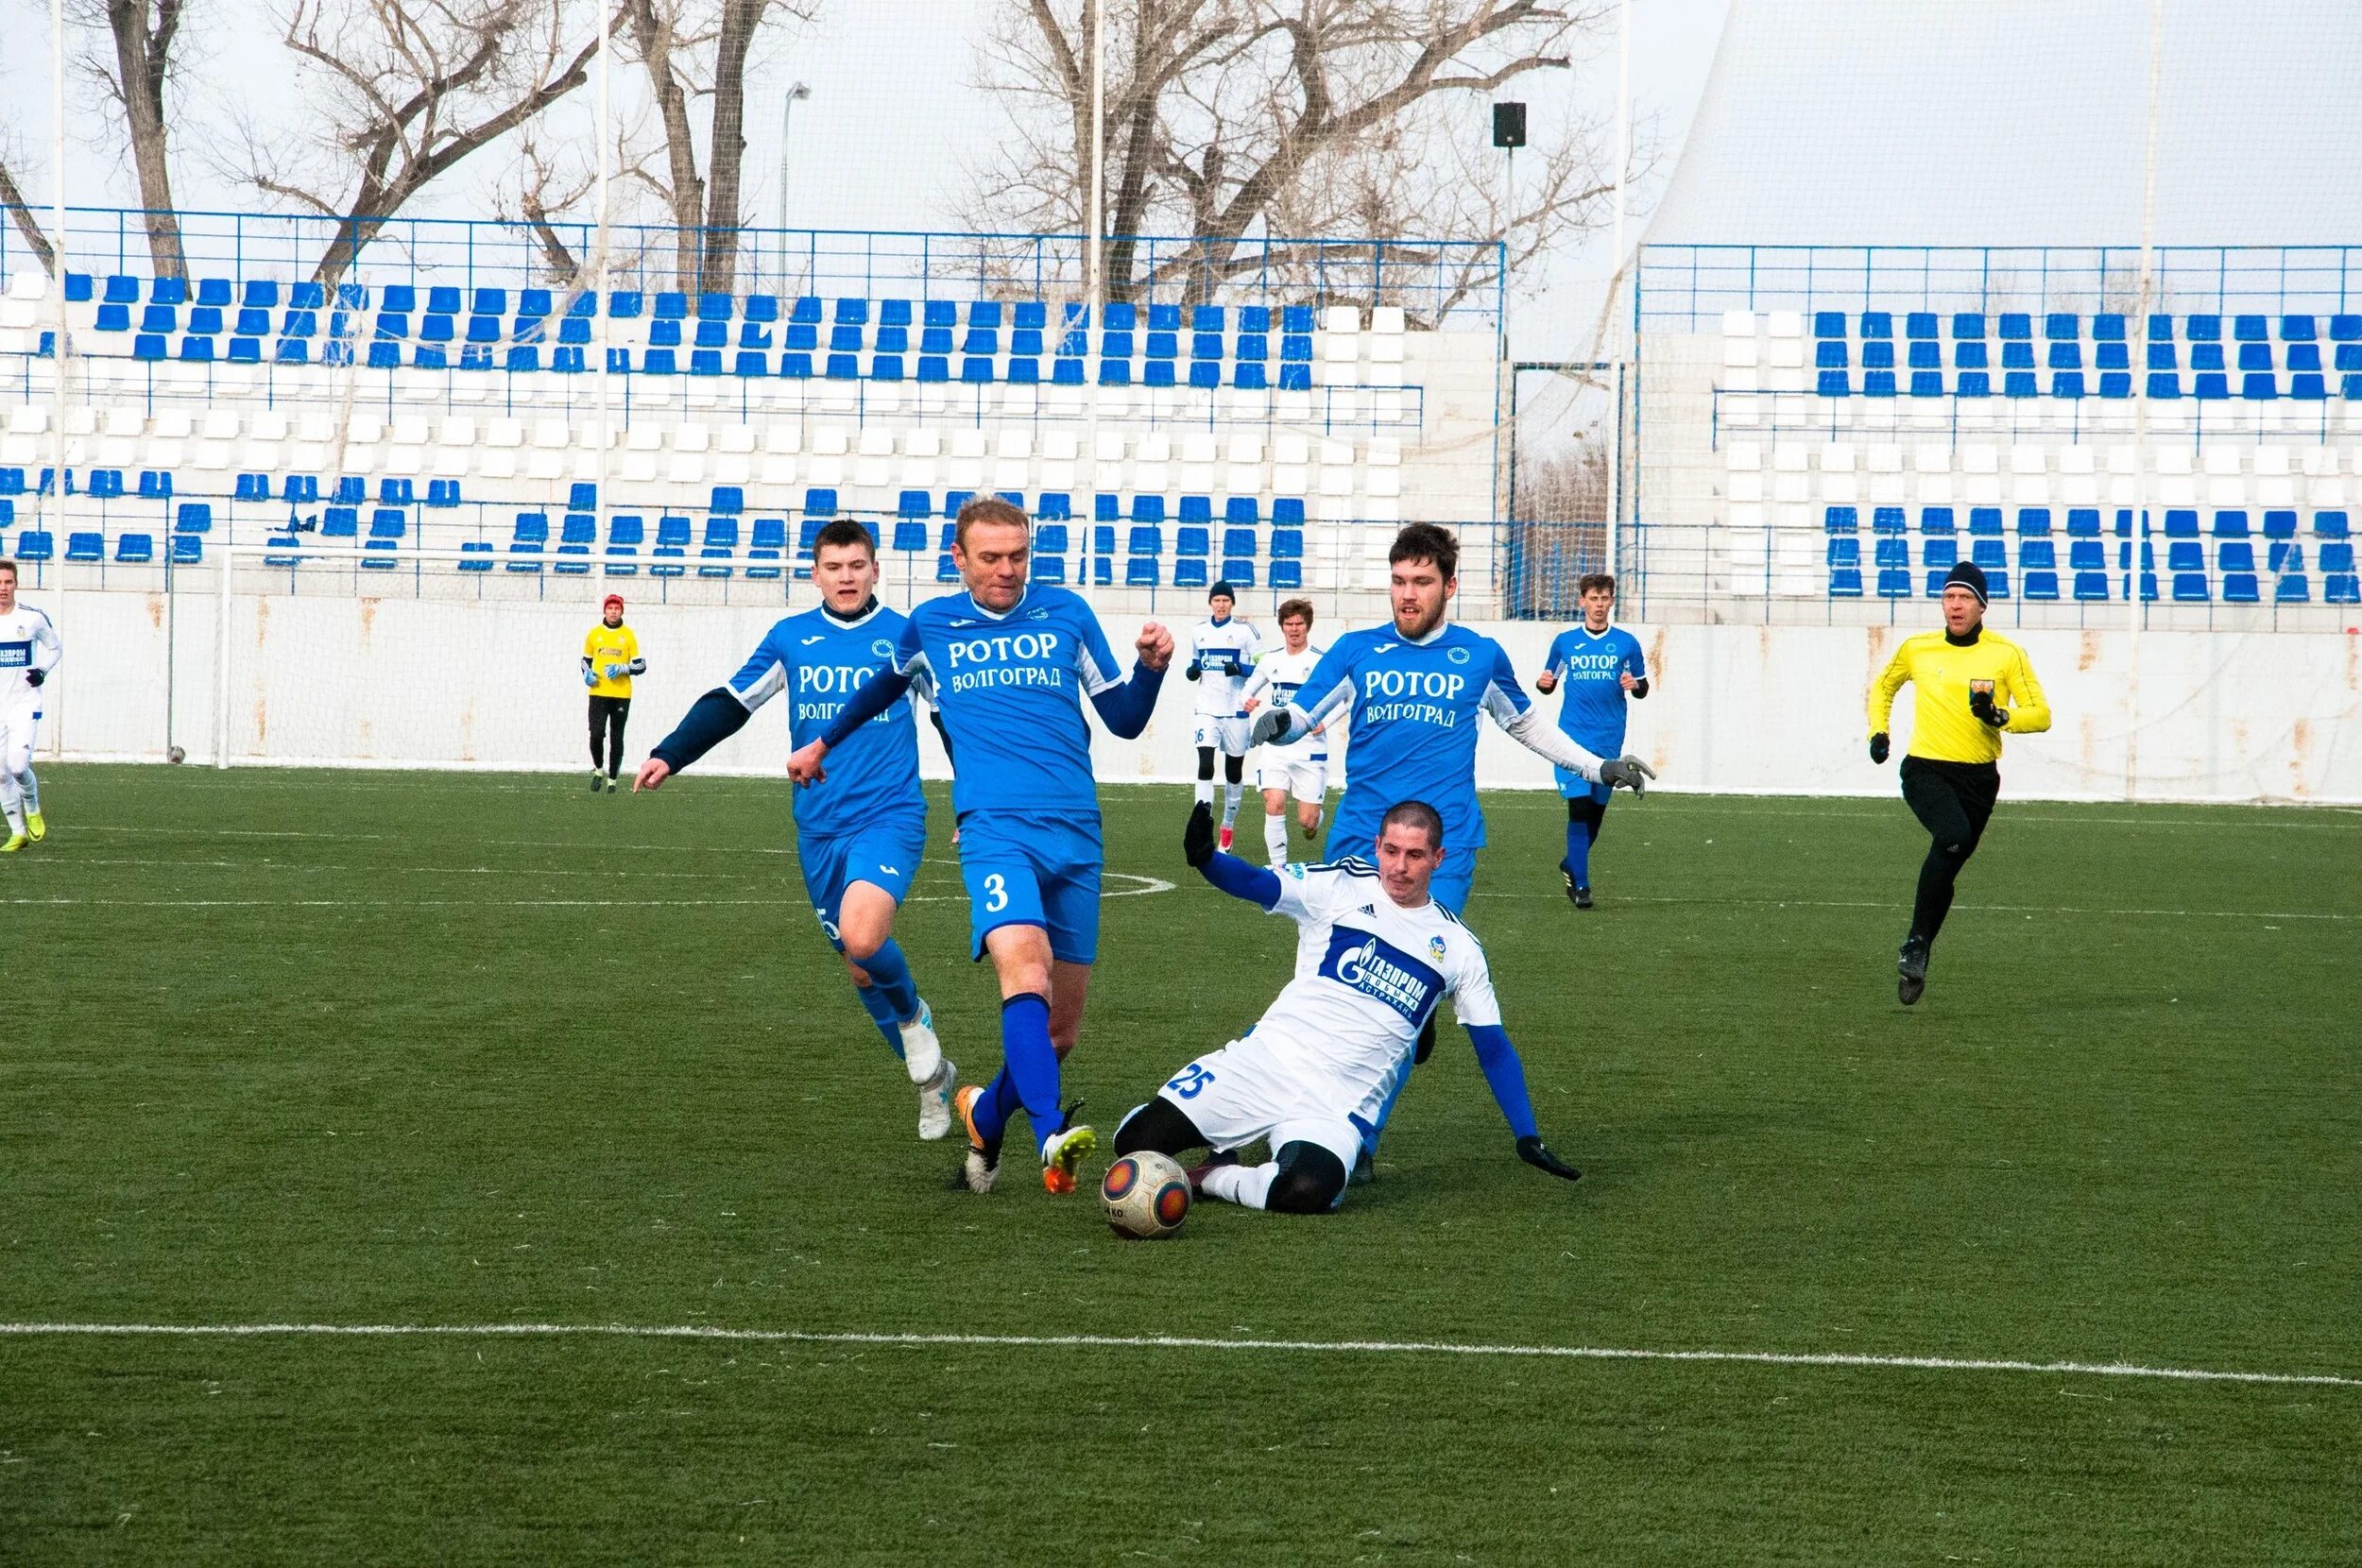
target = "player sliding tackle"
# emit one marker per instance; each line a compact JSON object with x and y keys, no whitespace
{"x":859,"y":840}
{"x":1011,"y":665}
{"x":1310,"y":1075}
{"x":1416,"y":688}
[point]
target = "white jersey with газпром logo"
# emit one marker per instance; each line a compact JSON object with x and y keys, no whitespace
{"x":1368,"y":973}
{"x":1278,"y":677}
{"x":28,"y":643}
{"x":1222,"y":652}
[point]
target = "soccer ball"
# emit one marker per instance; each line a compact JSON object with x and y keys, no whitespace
{"x":1146,"y":1197}
{"x":176,"y":754}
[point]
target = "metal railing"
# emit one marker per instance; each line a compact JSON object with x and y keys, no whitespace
{"x":1437,"y":281}
{"x":1687,"y":287}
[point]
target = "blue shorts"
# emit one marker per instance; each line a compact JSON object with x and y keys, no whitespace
{"x":1451,"y":884}
{"x":885,"y":853}
{"x":1032,"y":871}
{"x":1575,"y":787}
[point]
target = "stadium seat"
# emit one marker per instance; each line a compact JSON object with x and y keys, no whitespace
{"x":83,"y":548}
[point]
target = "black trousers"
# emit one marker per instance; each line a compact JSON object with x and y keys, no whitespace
{"x":606,"y":728}
{"x":1953,"y":801}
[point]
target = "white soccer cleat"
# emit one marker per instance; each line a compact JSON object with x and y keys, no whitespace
{"x":934,"y":1102}
{"x":1062,"y":1154}
{"x":922,"y":1053}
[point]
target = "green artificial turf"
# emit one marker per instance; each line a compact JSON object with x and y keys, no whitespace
{"x":432,"y":1049}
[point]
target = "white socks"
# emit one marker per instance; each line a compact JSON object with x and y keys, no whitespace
{"x":1276,"y":839}
{"x":1205,"y":792}
{"x":11,"y":802}
{"x":1246,"y":1186}
{"x":30,"y":787}
{"x":1230,"y":795}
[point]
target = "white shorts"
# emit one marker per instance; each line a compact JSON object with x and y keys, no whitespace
{"x":1224,"y":732}
{"x":1239,"y":1093}
{"x":20,"y":726}
{"x":1306,"y":781}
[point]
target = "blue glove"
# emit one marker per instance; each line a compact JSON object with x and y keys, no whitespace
{"x":617,"y":671}
{"x":590,"y":678}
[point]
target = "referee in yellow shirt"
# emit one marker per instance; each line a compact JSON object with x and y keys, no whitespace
{"x":1970,"y":687}
{"x":611,"y":657}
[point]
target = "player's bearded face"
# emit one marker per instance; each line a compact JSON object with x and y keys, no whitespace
{"x":847,"y":575}
{"x":992,"y":563}
{"x":1405,"y":864}
{"x":1420,"y":592}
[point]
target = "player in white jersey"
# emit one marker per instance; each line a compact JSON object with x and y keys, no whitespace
{"x":1222,"y":652}
{"x":1312,"y":1075}
{"x":1299,"y":769}
{"x":29,"y":649}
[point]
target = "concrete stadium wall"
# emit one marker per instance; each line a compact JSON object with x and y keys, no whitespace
{"x":1774,"y":709}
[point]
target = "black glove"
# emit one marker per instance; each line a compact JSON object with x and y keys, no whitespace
{"x":1537,"y":1154}
{"x":34,"y":677}
{"x":1980,"y":704}
{"x":1190,"y":673}
{"x":1878,"y":747}
{"x":1197,"y":839}
{"x":1426,"y":1046}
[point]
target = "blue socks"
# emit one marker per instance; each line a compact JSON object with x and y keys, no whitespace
{"x":882,"y":1013}
{"x":890,"y":976}
{"x":1579,"y":853}
{"x":1029,"y":1070}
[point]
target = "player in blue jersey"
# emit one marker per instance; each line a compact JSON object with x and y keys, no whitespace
{"x":1601,"y":665}
{"x":1011,"y":664}
{"x":862,"y":837}
{"x":1416,"y":688}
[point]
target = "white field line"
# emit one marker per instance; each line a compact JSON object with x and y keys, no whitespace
{"x":1982,"y":908}
{"x":1147,"y":885}
{"x":1156,"y":1341}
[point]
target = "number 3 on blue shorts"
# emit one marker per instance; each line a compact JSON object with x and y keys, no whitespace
{"x":1191,"y":1081}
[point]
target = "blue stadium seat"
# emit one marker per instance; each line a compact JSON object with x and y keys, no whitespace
{"x":1286,"y":575}
{"x":2293,"y":589}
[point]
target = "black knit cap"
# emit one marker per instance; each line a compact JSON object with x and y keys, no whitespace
{"x":1968,"y":575}
{"x":1222,"y":590}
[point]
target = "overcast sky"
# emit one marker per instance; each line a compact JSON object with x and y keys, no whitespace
{"x":1888,"y":122}
{"x":880,"y":143}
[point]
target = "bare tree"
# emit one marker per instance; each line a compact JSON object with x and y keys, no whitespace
{"x":694,"y":49}
{"x":1238,"y":121}
{"x":408,"y":89}
{"x":134,"y":75}
{"x":27,"y":224}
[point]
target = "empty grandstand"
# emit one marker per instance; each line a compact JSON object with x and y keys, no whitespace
{"x":495,"y":439}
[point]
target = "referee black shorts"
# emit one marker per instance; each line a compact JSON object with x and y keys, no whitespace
{"x":1952,"y":800}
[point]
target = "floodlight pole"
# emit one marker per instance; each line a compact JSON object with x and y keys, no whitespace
{"x":600,"y":304}
{"x":1616,"y":277}
{"x":787,"y":110}
{"x":1094,"y":279}
{"x":57,"y":347}
{"x":2137,"y":543}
